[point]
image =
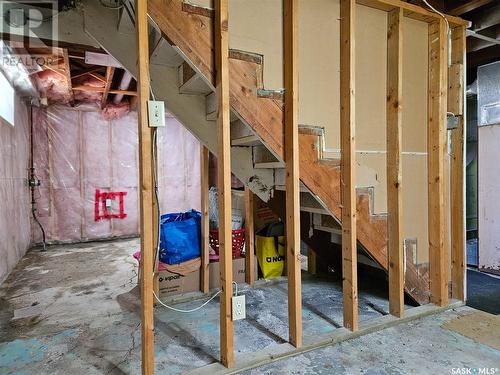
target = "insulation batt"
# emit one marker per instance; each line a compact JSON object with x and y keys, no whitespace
{"x":77,"y":152}
{"x":53,"y":86}
{"x":88,"y":96}
{"x":115,"y":111}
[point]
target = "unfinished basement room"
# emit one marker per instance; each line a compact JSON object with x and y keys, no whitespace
{"x":249,"y":187}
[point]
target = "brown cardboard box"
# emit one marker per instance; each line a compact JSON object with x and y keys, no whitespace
{"x":238,"y":272}
{"x":173,"y":284}
{"x":170,"y":284}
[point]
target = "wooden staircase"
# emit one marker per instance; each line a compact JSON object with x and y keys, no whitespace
{"x":190,"y":29}
{"x":257,"y":124}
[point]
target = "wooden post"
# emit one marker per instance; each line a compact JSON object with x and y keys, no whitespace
{"x":249,"y":238}
{"x":291,"y":79}
{"x":394,"y":168}
{"x":205,"y":224}
{"x":456,"y":106}
{"x":436,"y":156}
{"x":146,"y":190}
{"x":311,"y":261}
{"x":224,"y":181}
{"x":348,"y":162}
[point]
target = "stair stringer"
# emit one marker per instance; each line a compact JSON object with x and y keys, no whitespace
{"x":192,"y":32}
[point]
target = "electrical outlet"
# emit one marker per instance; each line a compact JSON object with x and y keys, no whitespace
{"x":239,"y":310}
{"x":156,"y":114}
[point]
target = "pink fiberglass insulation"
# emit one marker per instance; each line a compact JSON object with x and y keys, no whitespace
{"x":88,"y":96}
{"x":115,"y":111}
{"x":53,"y":86}
{"x":14,"y":192}
{"x":78,"y":153}
{"x":178,"y":167}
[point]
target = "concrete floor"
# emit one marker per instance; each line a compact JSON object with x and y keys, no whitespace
{"x":419,"y":347}
{"x":483,"y":291}
{"x":75,"y":310}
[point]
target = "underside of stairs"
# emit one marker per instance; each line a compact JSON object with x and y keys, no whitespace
{"x":182,"y":37}
{"x":190,"y":29}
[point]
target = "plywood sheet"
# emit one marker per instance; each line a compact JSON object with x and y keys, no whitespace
{"x":480,"y":326}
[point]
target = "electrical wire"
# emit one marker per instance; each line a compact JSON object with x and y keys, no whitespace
{"x":448,"y":34}
{"x":187,"y":311}
{"x":438,"y":12}
{"x":196,"y":308}
{"x":154,"y":153}
{"x":34,"y":178}
{"x":448,"y":29}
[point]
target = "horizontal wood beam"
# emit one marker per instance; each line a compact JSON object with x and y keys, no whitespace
{"x":102,"y":89}
{"x":469,"y":6}
{"x":412,"y":11}
{"x":85,"y":72}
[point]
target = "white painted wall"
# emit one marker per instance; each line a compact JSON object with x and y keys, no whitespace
{"x":489,"y":198}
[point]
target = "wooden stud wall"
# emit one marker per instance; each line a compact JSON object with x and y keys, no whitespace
{"x":146,"y":190}
{"x":224,"y":181}
{"x":437,"y":108}
{"x":291,"y":126}
{"x":205,"y":223}
{"x":394,"y":166}
{"x":348,"y":162}
{"x":436,"y":156}
{"x":249,"y":238}
{"x":457,"y":167}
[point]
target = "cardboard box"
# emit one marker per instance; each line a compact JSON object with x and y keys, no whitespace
{"x":238,"y":272}
{"x":170,"y":284}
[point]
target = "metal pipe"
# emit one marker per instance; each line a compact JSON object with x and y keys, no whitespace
{"x":124,"y":84}
{"x":33,"y":179}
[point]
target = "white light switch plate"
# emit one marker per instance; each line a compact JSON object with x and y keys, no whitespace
{"x":239,"y":309}
{"x":156,"y":114}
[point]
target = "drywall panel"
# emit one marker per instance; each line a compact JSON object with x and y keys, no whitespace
{"x":489,"y":198}
{"x":415,"y":224}
{"x":14,"y":191}
{"x":371,"y":173}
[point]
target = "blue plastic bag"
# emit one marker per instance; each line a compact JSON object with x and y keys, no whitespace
{"x":180,"y":237}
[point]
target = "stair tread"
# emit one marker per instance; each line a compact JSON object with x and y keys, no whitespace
{"x":249,"y":140}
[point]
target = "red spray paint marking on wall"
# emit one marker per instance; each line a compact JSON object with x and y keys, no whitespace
{"x":100,"y":202}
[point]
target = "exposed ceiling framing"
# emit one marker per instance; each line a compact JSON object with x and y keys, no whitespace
{"x":82,"y":81}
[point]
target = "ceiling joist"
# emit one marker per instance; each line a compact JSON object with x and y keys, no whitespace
{"x":110,"y":71}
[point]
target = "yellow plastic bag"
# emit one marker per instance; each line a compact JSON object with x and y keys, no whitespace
{"x":271,"y":259}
